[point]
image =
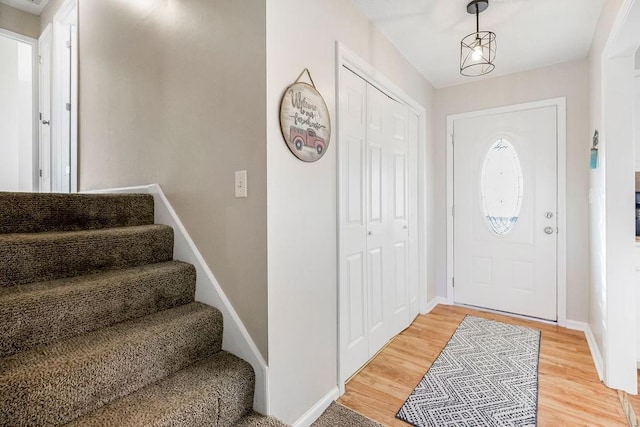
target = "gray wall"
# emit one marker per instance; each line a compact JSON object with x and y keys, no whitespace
{"x":570,"y":80}
{"x":20,"y":22}
{"x":174,"y":93}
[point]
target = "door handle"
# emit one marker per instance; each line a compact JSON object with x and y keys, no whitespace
{"x":548,"y":215}
{"x":548,"y":230}
{"x":46,"y":122}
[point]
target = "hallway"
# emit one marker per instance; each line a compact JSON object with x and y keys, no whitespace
{"x":569,"y":390}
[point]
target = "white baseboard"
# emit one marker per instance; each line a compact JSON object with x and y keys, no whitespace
{"x":236,"y":339}
{"x":434,"y":302}
{"x":316,"y":410}
{"x":591,"y":341}
{"x":576,"y":325}
{"x":135,"y":189}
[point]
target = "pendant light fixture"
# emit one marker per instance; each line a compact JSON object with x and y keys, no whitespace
{"x":477,"y":50}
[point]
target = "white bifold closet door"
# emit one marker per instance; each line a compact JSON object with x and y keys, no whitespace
{"x":378,"y":256}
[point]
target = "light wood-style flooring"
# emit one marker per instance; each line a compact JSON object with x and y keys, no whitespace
{"x":635,"y":401}
{"x":570,"y":393}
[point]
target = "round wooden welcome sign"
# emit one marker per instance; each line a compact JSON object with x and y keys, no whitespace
{"x":305,"y":121}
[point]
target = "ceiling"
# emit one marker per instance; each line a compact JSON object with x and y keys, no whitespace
{"x":32,"y":6}
{"x":529,"y":33}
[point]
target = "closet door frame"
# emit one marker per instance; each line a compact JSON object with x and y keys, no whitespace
{"x":347,"y":58}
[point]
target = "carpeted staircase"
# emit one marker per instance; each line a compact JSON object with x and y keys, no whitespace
{"x":98,"y":324}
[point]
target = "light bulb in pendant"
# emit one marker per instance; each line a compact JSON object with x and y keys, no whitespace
{"x":477,"y":52}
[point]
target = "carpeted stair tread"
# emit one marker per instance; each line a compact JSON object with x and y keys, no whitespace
{"x":40,"y":313}
{"x":253,"y":419}
{"x":37,"y":257}
{"x":38,"y":212}
{"x":216,"y":391}
{"x":54,"y":384}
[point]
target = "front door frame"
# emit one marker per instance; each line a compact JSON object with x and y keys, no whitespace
{"x":561,"y":273}
{"x":349,"y":59}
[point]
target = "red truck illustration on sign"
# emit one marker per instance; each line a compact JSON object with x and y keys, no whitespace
{"x":304,"y":121}
{"x":301,"y":138}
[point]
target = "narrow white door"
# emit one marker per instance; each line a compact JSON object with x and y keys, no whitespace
{"x":44,"y":52}
{"x":505,"y":210}
{"x":73,"y":101}
{"x":63,"y":170}
{"x":354,"y":336}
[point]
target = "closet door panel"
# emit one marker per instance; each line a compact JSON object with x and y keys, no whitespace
{"x":377,"y":154}
{"x":397,"y":238}
{"x":353,"y":292}
{"x":378,"y":211}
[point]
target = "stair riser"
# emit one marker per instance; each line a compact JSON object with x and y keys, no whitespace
{"x":37,"y":212}
{"x":214,"y":392}
{"x":55,"y":384}
{"x":48,"y":313}
{"x":28,"y":258}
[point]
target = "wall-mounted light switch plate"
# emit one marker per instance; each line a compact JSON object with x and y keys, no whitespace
{"x":241,"y":183}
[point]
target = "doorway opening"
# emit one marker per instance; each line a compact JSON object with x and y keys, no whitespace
{"x":18,"y":113}
{"x":58,"y":104}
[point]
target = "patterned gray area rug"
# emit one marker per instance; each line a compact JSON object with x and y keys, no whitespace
{"x":487,"y":375}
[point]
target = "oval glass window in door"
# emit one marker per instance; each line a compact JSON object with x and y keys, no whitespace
{"x":501,"y":187}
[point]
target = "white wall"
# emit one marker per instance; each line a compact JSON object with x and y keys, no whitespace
{"x":570,"y":80}
{"x":301,"y":207}
{"x":597,"y":284}
{"x":618,"y":129}
{"x":16,"y":132}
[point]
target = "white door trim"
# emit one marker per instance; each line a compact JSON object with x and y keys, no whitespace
{"x":44,"y":111}
{"x":68,"y":11}
{"x":349,"y":59}
{"x":560,"y":104}
{"x":615,"y":252}
{"x":35,"y":131}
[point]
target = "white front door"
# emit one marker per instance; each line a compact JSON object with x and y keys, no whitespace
{"x":505,"y":212}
